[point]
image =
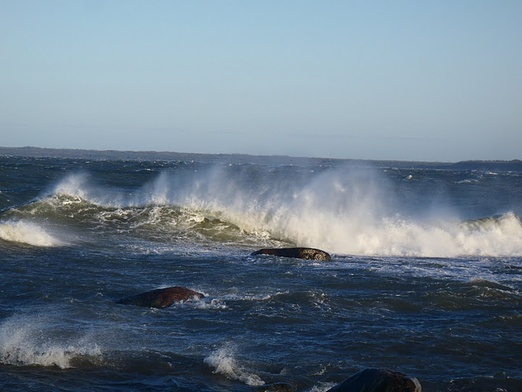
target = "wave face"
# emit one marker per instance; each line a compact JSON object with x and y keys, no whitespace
{"x":345,"y":209}
{"x":22,"y":343}
{"x":425,"y":276}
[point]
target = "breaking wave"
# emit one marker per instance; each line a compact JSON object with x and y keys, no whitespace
{"x":28,"y":341}
{"x":224,"y":362}
{"x":26,"y":232}
{"x":343,"y":211}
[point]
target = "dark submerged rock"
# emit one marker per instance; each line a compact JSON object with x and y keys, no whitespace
{"x":299,"y":253}
{"x":378,"y":380}
{"x":276,"y":387}
{"x":161,"y":298}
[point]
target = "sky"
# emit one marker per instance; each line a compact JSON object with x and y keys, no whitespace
{"x":402,"y":80}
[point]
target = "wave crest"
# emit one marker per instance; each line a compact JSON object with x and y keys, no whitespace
{"x":27,"y":233}
{"x":25,"y":341}
{"x":224,"y":362}
{"x":346,"y":211}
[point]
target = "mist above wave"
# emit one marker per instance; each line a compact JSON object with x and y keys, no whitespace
{"x":344,"y":210}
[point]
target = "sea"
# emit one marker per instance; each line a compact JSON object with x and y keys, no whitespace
{"x":425,"y":276}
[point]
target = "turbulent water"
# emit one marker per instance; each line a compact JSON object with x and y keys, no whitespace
{"x":425,"y":277}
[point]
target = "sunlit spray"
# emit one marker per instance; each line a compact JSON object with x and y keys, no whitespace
{"x":345,"y":210}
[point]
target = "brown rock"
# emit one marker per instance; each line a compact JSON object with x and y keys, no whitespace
{"x":161,"y":298}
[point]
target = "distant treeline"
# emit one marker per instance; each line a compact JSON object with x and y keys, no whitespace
{"x":37,"y":152}
{"x":514,"y":165}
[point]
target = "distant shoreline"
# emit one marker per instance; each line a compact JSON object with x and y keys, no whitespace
{"x":69,"y":153}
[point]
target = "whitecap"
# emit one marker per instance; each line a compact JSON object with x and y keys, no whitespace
{"x":224,"y":362}
{"x":29,"y":233}
{"x":27,"y":340}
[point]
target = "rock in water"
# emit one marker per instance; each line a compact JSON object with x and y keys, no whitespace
{"x":299,"y":253}
{"x":277,"y":387}
{"x":161,"y":298}
{"x":378,"y":380}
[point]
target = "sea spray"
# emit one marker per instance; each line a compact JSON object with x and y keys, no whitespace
{"x":30,"y":340}
{"x":224,"y":362}
{"x":25,"y":232}
{"x":294,"y":209}
{"x":80,"y":186}
{"x":345,"y":210}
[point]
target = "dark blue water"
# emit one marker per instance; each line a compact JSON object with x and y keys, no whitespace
{"x":425,"y":278}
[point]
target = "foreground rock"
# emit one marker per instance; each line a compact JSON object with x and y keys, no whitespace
{"x":299,"y":253}
{"x":378,"y":380}
{"x":161,"y":298}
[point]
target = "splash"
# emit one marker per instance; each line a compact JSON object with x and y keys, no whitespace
{"x":397,"y":236}
{"x":345,"y":210}
{"x":74,"y":185}
{"x":28,"y":341}
{"x":80,"y":187}
{"x":224,"y":362}
{"x":27,"y":233}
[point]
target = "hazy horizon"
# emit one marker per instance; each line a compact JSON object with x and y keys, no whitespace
{"x":79,"y":153}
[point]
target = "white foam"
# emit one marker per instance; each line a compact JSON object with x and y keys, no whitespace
{"x":27,"y":233}
{"x":399,"y":236}
{"x":224,"y":362}
{"x":322,"y":387}
{"x":210,"y":304}
{"x":405,"y":237}
{"x":346,"y":211}
{"x":28,"y":341}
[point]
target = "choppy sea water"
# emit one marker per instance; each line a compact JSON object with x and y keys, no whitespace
{"x":425,"y":277}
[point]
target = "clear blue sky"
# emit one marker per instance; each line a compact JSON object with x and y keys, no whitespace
{"x":408,"y":80}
